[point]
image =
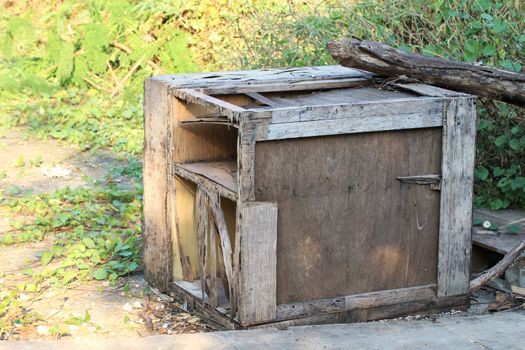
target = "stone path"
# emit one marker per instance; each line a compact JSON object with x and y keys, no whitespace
{"x":504,"y":330}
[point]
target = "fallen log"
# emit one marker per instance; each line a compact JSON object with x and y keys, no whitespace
{"x":385,"y":60}
{"x":497,"y":269}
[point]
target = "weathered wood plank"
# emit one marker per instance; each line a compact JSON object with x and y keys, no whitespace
{"x":357,"y":301}
{"x":157,"y":250}
{"x":258,"y":253}
{"x":213,"y":266}
{"x":209,"y":176}
{"x":350,"y":126}
{"x":222,"y":107}
{"x":261,"y":77}
{"x":290,"y":86}
{"x":363,"y":109}
{"x":428,"y":90}
{"x":459,"y":134}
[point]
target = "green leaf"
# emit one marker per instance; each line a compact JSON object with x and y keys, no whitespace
{"x":518,"y":182}
{"x":497,"y":171}
{"x":500,"y":140}
{"x":87,"y":317}
{"x":69,"y":276}
{"x":27,"y":272}
{"x":514,"y":144}
{"x":46,"y":258}
{"x":481,"y":173}
{"x":88,"y":242}
{"x":514,"y":229}
{"x":100,"y":274}
{"x":132,"y":266}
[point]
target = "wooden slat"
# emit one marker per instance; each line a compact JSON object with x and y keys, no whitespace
{"x":459,"y":134}
{"x":261,"y":77}
{"x":222,"y":107}
{"x":258,"y":253}
{"x":221,"y":176}
{"x":157,"y":254}
{"x":363,"y":109}
{"x":357,"y":301}
{"x":216,"y":214}
{"x":262,"y":99}
{"x":428,"y":90}
{"x":213,"y":266}
{"x":350,"y":126}
{"x":201,"y":215}
{"x":291,"y":86}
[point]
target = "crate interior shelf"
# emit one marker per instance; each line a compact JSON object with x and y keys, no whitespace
{"x":220,"y":175}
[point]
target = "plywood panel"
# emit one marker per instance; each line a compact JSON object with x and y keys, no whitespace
{"x":345,"y":224}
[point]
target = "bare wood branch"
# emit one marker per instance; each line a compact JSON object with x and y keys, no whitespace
{"x":385,"y":60}
{"x":497,"y":269}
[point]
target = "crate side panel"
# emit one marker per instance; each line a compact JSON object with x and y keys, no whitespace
{"x":345,"y":224}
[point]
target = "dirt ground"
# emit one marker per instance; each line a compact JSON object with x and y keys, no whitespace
{"x":127,"y":309}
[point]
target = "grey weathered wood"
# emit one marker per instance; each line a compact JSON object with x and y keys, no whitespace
{"x":213,"y":266}
{"x":428,"y":90}
{"x":362,"y":109}
{"x":291,"y":86}
{"x":157,"y":255}
{"x":202,"y":229}
{"x":350,"y":126}
{"x":216,"y":214}
{"x":356,"y":301}
{"x":214,"y":175}
{"x":455,"y":242}
{"x":258,"y":253}
{"x":262,"y":99}
{"x":222,"y":107}
{"x":327,"y":241}
{"x":250,"y":78}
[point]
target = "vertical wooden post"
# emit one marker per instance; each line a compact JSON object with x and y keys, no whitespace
{"x":157,"y":237}
{"x":257,"y":278}
{"x":455,"y":240}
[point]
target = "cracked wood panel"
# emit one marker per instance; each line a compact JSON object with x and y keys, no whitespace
{"x":157,"y":240}
{"x":239,"y":79}
{"x":455,"y":236}
{"x":346,"y":225}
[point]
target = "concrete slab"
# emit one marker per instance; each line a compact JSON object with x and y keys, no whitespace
{"x":504,"y":330}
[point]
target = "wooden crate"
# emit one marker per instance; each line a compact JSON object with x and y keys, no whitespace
{"x":307,"y":195}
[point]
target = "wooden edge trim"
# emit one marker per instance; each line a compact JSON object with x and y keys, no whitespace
{"x":193,"y":96}
{"x":194,"y":303}
{"x":363,"y":109}
{"x":347,"y":126}
{"x":357,"y":301}
{"x":292,"y":86}
{"x":258,"y":272}
{"x":428,"y":90}
{"x":457,"y":172}
{"x":205,"y":182}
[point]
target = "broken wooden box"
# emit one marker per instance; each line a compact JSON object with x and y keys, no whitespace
{"x":307,"y":195}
